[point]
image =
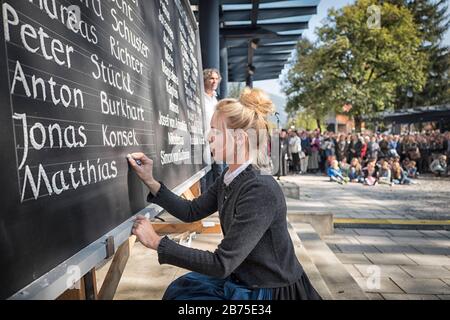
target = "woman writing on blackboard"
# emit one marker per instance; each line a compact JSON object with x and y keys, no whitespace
{"x":256,"y":258}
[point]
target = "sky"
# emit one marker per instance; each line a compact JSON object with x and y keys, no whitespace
{"x":273,"y":86}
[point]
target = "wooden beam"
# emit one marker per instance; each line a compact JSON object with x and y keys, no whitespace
{"x":115,"y":271}
{"x":76,"y":293}
{"x":90,"y":285}
{"x":196,"y":189}
{"x":170,"y":228}
{"x":188,"y":195}
{"x":84,"y":289}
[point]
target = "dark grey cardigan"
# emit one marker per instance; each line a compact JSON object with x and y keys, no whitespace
{"x":256,"y":251}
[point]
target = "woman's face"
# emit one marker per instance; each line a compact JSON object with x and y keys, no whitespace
{"x":218,"y":138}
{"x":227,"y":145}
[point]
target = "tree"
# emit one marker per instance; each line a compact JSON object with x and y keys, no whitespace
{"x":304,"y":87}
{"x":433,"y":22}
{"x":358,"y":61}
{"x":304,"y":120}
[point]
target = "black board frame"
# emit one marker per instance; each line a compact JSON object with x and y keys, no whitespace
{"x":57,"y":280}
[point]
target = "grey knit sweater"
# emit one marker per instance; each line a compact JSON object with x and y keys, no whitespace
{"x":256,"y":250}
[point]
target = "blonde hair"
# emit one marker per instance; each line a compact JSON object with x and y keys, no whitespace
{"x":396,"y":170}
{"x":249,"y":113}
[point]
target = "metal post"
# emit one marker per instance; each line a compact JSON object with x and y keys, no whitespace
{"x":249,"y":80}
{"x":223,"y":68}
{"x":209,"y":23}
{"x":280,"y":156}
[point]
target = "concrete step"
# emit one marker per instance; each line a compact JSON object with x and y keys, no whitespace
{"x":309,"y":267}
{"x":338,"y":280}
{"x":290,"y":189}
{"x":322,"y":222}
{"x":318,"y":216}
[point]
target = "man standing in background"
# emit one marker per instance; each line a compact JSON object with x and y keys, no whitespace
{"x":283,"y":168}
{"x":211,"y":78}
{"x":295,"y":147}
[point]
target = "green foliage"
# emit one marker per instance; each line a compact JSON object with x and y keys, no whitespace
{"x":355,"y":61}
{"x":433,"y":22}
{"x":304,"y":86}
{"x":304,"y":120}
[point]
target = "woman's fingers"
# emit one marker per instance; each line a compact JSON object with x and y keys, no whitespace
{"x":141,"y":157}
{"x":132,"y":161}
{"x":137,"y":155}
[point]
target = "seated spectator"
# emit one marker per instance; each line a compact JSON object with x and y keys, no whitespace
{"x":328,"y":162}
{"x":370,"y":173}
{"x":439,"y":166}
{"x":345,"y":167}
{"x":390,"y":161}
{"x":385,"y":176}
{"x":399,"y":176}
{"x":405,"y":163}
{"x":335,"y":173}
{"x":411,"y":170}
{"x":355,"y":173}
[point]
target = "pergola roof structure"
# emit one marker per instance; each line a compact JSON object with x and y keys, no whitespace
{"x":261,"y":34}
{"x":420,"y":114}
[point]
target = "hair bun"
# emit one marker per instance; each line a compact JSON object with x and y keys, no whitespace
{"x":257,"y":100}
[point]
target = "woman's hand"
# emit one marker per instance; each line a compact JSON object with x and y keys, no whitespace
{"x":145,"y":233}
{"x":143,"y":166}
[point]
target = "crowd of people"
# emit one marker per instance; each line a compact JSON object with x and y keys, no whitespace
{"x":368,"y":158}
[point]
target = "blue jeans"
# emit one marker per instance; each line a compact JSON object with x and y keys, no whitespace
{"x":196,"y":286}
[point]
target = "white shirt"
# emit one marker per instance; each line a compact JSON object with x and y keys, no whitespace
{"x":210,"y":107}
{"x":229,"y":176}
{"x":295,"y":144}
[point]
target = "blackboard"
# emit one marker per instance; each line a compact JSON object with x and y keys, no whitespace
{"x":83,"y":83}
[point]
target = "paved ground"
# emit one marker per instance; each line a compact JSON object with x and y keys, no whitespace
{"x":386,"y":263}
{"x":411,"y":264}
{"x":430,"y":199}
